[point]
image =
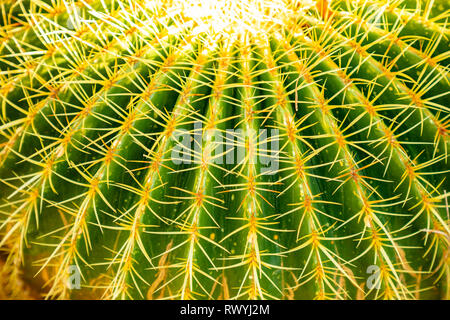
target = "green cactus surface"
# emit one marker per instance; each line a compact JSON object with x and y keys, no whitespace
{"x":257,"y":149}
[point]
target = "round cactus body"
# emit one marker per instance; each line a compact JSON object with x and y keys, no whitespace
{"x":224,"y":149}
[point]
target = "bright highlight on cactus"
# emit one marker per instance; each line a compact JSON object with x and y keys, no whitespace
{"x":224,"y":149}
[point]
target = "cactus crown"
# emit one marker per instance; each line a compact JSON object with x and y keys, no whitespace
{"x":225,"y":149}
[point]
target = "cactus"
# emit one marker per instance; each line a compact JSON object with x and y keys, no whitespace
{"x":224,"y":149}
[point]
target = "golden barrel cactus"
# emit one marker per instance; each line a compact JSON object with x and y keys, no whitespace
{"x":224,"y":149}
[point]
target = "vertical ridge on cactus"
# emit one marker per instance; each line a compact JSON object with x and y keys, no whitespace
{"x":224,"y":149}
